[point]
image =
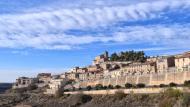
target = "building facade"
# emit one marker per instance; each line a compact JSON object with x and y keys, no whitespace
{"x":164,"y":63}
{"x":101,"y":58}
{"x":55,"y":85}
{"x":139,"y":68}
{"x":24,"y":82}
{"x":182,"y":62}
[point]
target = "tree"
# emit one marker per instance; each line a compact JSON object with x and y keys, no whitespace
{"x":114,"y":57}
{"x":136,"y":56}
{"x":117,"y":86}
{"x":172,"y":84}
{"x":187,"y":83}
{"x":128,"y":85}
{"x":105,"y":87}
{"x":110,"y":86}
{"x":88,"y":88}
{"x":99,"y":87}
{"x":162,"y":85}
{"x":141,"y":85}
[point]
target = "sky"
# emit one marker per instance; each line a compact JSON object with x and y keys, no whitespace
{"x":56,"y":35}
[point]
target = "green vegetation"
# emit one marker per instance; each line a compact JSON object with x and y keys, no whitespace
{"x":128,"y":85}
{"x":88,"y":88}
{"x":105,"y":87}
{"x":99,"y":87}
{"x":187,"y":83}
{"x":140,"y":85}
{"x":110,"y":87}
{"x":162,"y":85}
{"x":169,"y":97}
{"x":137,"y":56}
{"x":186,"y":99}
{"x":172,"y":84}
{"x":117,"y":86}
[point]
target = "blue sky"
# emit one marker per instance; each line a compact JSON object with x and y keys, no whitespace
{"x":55,"y":35}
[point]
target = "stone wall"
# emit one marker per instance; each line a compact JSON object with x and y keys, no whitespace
{"x":149,"y":80}
{"x":127,"y":91}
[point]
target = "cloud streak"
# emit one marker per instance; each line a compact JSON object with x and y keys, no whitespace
{"x":46,"y":29}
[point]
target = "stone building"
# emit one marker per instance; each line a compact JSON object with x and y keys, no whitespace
{"x":94,"y":68}
{"x":182,"y":62}
{"x":82,"y":70}
{"x":101,"y":58}
{"x":44,"y":79}
{"x":139,"y":68}
{"x":72,"y":76}
{"x":152,"y":59}
{"x":164,"y":63}
{"x":24,"y":82}
{"x":112,"y":73}
{"x":55,"y":85}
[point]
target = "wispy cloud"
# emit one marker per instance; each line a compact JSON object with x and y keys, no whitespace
{"x":46,"y":29}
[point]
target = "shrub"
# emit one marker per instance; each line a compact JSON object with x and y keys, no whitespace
{"x":187,"y":83}
{"x":105,"y":87}
{"x":117,"y":86}
{"x":110,"y":86}
{"x":88,"y":88}
{"x":66,"y":90}
{"x":99,"y":87}
{"x":186,"y":100}
{"x":167,"y":102}
{"x":128,"y":85}
{"x":162,"y":85}
{"x":80,"y":88}
{"x":85,"y":98}
{"x":140,"y":85}
{"x":155,"y":86}
{"x":119,"y":95}
{"x":170,"y":96}
{"x":170,"y":92}
{"x":78,"y":99}
{"x":172,"y":84}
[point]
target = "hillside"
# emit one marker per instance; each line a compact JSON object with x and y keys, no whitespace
{"x":169,"y":98}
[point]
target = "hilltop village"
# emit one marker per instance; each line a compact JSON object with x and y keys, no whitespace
{"x":116,"y":70}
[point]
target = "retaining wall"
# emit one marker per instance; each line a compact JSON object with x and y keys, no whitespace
{"x":149,"y":79}
{"x":127,"y":91}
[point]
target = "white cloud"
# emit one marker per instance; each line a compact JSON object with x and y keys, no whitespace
{"x":34,"y":29}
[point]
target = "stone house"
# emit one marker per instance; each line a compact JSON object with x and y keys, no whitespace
{"x":83,"y":76}
{"x":44,"y":77}
{"x":112,"y":73}
{"x":24,"y":82}
{"x":94,"y":68}
{"x":182,"y":62}
{"x":55,"y":85}
{"x":101,"y":58}
{"x":72,"y":76}
{"x":82,"y":70}
{"x":164,"y":63}
{"x":139,"y":68}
